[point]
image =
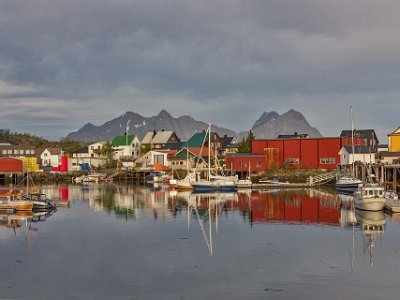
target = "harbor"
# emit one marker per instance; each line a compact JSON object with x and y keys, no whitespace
{"x":277,"y":235}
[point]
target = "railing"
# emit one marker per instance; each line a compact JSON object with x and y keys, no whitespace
{"x":321,"y":179}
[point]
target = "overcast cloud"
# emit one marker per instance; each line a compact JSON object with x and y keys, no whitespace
{"x":66,"y":63}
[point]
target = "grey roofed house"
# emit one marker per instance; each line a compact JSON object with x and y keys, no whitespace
{"x":369,"y":135}
{"x":160,"y":138}
{"x":228,"y":140}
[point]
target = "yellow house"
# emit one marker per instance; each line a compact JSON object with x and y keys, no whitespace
{"x":394,"y":141}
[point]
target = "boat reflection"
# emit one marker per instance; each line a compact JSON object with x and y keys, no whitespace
{"x":372,"y":224}
{"x":20,"y":223}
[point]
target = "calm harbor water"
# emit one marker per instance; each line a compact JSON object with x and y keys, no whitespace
{"x":127,"y":242}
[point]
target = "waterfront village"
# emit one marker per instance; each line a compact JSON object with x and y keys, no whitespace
{"x":256,"y":158}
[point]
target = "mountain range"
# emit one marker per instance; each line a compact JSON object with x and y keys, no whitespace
{"x":268,"y":126}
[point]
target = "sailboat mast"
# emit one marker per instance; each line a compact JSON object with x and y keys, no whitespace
{"x":352,"y":141}
{"x":209,"y":152}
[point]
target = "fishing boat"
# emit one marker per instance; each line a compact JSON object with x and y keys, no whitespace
{"x":11,"y":201}
{"x":40,"y":201}
{"x":370,"y":197}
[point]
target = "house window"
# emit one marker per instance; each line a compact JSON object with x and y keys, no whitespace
{"x":293,"y":160}
{"x":9,"y":152}
{"x":45,"y":154}
{"x":4,"y":152}
{"x":258,"y":164}
{"x":327,"y":160}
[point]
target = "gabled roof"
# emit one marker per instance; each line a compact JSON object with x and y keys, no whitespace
{"x":160,"y":137}
{"x":226,"y":141}
{"x":192,"y":152}
{"x":360,"y":149}
{"x":396,"y":132}
{"x":364,"y":133}
{"x":148,"y":137}
{"x":121,"y":140}
{"x":197,"y":139}
{"x":53,"y":151}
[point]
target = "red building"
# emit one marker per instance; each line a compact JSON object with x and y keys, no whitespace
{"x":11,"y":165}
{"x":314,"y":153}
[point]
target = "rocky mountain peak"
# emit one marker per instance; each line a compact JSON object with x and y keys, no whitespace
{"x":265,"y":118}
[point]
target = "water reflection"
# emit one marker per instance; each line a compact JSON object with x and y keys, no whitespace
{"x":290,"y":207}
{"x":19,"y":224}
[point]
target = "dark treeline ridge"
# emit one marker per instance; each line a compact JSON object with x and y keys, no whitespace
{"x":15,"y":138}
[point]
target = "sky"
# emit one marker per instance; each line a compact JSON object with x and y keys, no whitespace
{"x":66,"y":63}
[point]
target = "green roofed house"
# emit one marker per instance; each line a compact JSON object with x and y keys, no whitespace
{"x":200,"y":139}
{"x":126,"y":147}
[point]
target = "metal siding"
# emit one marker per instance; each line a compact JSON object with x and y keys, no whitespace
{"x":292,"y":150}
{"x":309,"y":153}
{"x":257,"y":146}
{"x":278,"y":144}
{"x":329,"y":148}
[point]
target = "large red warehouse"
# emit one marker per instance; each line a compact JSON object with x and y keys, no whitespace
{"x":314,"y":153}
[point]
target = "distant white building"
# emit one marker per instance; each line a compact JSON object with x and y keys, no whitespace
{"x":49,"y":157}
{"x":126,"y":147}
{"x":363,"y":154}
{"x":90,"y":155}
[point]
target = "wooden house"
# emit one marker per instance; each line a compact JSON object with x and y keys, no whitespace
{"x":157,"y":140}
{"x":360,"y":137}
{"x":394,"y":141}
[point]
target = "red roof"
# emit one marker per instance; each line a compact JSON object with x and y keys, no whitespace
{"x":11,"y":165}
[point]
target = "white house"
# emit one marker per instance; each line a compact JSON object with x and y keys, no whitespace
{"x":126,"y":147}
{"x":49,"y":157}
{"x":90,"y":155}
{"x":363,"y":154}
{"x":152,"y":158}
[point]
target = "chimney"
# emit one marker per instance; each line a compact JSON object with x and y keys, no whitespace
{"x":154,"y":132}
{"x":295,"y":133}
{"x":162,"y":130}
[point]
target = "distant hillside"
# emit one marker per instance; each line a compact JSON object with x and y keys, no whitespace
{"x":184,"y":127}
{"x":269,"y":125}
{"x":15,"y":138}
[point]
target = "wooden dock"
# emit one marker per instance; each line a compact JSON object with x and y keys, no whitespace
{"x":268,"y":186}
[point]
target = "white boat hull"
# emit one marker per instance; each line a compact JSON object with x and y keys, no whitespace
{"x":372,"y":204}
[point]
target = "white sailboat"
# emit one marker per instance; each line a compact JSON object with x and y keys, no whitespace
{"x":349,"y":183}
{"x":218,"y":183}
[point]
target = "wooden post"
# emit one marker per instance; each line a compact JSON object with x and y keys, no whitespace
{"x":395,"y":178}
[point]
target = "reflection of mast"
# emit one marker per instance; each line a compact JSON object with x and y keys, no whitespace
{"x":372,"y":226}
{"x":214,"y":202}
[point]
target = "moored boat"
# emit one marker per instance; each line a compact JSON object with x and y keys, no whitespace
{"x":370,"y":197}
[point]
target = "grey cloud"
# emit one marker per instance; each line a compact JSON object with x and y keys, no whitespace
{"x":209,"y":59}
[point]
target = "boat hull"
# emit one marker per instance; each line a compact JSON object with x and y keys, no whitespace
{"x":204,"y":187}
{"x":371,"y":204}
{"x":16,"y":205}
